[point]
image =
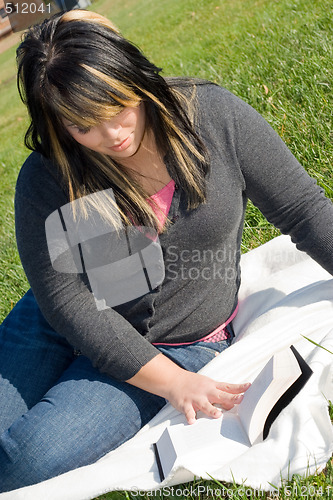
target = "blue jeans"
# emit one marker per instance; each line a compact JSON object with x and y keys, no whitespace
{"x":58,"y":412}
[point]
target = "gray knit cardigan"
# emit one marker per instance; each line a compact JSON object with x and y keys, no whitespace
{"x":201,"y":248}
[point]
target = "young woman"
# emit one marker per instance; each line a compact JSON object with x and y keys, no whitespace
{"x":129,"y":216}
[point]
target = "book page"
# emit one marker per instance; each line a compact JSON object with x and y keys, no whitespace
{"x":180,"y":444}
{"x":236,"y":430}
{"x":275,"y":378}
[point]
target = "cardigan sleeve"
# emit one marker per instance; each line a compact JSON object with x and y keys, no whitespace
{"x":113,"y":345}
{"x":274,"y":180}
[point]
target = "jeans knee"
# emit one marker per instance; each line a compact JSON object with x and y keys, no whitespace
{"x":28,"y":461}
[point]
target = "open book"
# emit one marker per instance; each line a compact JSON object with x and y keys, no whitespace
{"x":272,"y":390}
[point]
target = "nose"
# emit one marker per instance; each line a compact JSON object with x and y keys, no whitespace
{"x":110,"y":129}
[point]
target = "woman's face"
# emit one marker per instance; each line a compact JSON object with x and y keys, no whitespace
{"x":120,"y":137}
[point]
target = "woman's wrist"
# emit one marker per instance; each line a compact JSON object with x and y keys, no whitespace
{"x":187,"y":392}
{"x":158,"y":376}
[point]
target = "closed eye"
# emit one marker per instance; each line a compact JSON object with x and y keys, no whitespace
{"x":77,"y":128}
{"x":83,"y":130}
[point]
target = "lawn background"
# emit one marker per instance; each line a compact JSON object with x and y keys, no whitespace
{"x":274,"y":54}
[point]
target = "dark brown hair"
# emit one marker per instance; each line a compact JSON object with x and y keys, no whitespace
{"x":78,"y":66}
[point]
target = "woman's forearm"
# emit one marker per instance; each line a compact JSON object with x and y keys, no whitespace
{"x":188,"y":392}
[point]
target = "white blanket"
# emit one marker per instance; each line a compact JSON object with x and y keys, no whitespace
{"x":284,"y":296}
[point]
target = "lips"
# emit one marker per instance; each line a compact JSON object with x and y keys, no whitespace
{"x":122,"y":145}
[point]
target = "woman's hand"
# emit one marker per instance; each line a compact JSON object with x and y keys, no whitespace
{"x":188,"y":392}
{"x":193,"y":392}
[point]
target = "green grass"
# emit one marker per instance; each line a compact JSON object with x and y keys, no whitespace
{"x":274,"y":54}
{"x":13,"y":123}
{"x":318,"y":487}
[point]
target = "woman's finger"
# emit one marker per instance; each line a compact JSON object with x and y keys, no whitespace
{"x":228,"y":401}
{"x":232,"y":388}
{"x":190,"y":415}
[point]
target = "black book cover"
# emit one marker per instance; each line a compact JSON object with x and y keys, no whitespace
{"x":290,"y":393}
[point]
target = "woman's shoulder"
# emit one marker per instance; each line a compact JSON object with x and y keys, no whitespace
{"x":38,"y":181}
{"x":204,"y":88}
{"x":211,"y":99}
{"x":219,"y":101}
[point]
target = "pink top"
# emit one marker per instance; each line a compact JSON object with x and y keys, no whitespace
{"x":162,"y":199}
{"x":161,"y":206}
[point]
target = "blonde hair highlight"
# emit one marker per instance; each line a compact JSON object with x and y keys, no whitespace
{"x":88,"y":16}
{"x":80,"y":106}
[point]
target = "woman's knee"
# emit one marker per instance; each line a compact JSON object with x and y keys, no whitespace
{"x":27,"y":460}
{"x":38,"y":447}
{"x":32,"y":358}
{"x":63,"y":433}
